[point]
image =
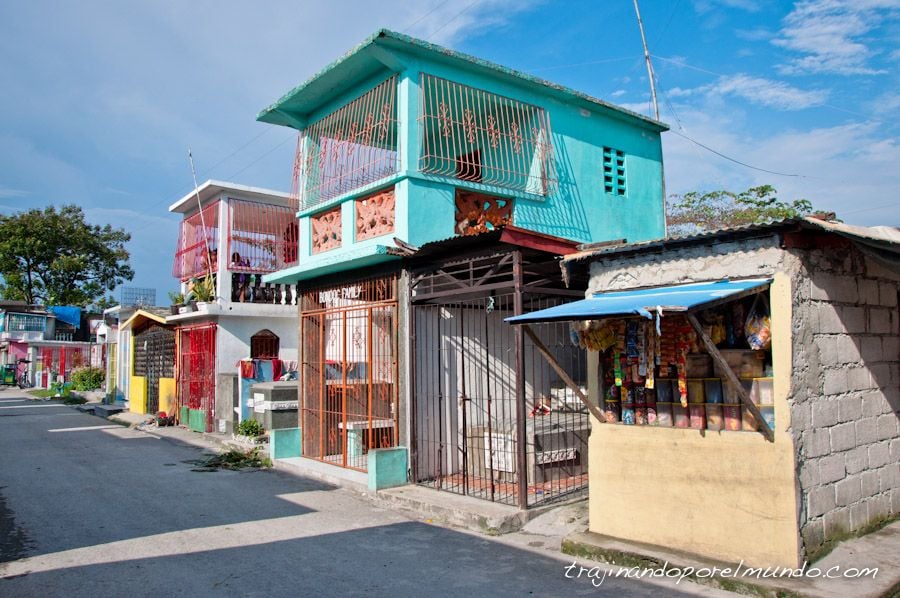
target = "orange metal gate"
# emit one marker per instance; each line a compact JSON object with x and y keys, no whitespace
{"x":349,"y":400}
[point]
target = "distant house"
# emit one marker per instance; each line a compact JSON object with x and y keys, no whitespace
{"x":54,"y":340}
{"x":434,"y":192}
{"x":247,"y":330}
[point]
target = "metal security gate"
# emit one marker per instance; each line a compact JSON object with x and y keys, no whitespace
{"x":492,"y":420}
{"x":348,"y":371}
{"x":154,"y":357}
{"x":197,"y":370}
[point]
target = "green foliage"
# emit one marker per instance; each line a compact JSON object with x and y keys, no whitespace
{"x":74,"y":399}
{"x":88,"y":378}
{"x":176,"y":298}
{"x":103,"y":303}
{"x":54,"y":257}
{"x":202,"y":289}
{"x":250,"y":427}
{"x":698,"y":212}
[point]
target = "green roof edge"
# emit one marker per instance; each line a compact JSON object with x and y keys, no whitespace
{"x":381,"y":33}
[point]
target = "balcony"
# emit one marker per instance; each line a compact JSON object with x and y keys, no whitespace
{"x":481,"y":137}
{"x":353,"y":146}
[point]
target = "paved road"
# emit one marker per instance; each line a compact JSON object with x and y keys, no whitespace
{"x":90,"y":509}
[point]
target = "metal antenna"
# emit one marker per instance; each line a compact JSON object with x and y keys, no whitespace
{"x":200,"y":209}
{"x":637,"y":11}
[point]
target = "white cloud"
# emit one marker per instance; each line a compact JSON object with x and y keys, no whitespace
{"x":845,"y":168}
{"x":830,"y":35}
{"x":9,"y":193}
{"x":757,"y":90}
{"x":774,"y":94}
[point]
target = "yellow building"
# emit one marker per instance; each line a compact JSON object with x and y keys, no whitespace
{"x":152,"y":367}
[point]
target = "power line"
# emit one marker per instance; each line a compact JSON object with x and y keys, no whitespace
{"x":453,"y":18}
{"x":730,"y":159}
{"x":869,"y":209}
{"x":420,"y":19}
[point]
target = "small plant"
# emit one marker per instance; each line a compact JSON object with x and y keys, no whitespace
{"x":250,"y":427}
{"x":203,"y":289}
{"x":176,"y":298}
{"x":88,"y":378}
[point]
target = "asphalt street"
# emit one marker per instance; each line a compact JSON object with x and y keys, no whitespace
{"x":89,"y":508}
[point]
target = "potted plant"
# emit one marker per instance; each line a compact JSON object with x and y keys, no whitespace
{"x":177,"y":300}
{"x":201,"y":290}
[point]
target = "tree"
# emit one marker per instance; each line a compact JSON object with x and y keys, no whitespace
{"x":54,"y":257}
{"x":696,"y":212}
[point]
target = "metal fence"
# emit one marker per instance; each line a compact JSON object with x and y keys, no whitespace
{"x":348,"y":371}
{"x":477,"y":136}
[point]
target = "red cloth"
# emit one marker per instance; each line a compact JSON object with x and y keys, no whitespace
{"x":276,"y":369}
{"x":247,"y":370}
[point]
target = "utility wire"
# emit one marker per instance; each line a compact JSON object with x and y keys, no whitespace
{"x":730,"y":159}
{"x":453,"y":18}
{"x":427,"y":14}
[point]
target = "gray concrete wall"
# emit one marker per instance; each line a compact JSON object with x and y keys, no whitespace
{"x":846,"y":393}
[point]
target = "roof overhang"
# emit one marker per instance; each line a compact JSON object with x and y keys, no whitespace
{"x":645,"y":302}
{"x":141,"y":317}
{"x":211,"y":189}
{"x":387,"y":51}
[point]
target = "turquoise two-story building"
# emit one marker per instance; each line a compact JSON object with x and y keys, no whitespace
{"x":405,"y":150}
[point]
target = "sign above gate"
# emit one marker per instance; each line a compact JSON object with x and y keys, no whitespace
{"x":334,"y":295}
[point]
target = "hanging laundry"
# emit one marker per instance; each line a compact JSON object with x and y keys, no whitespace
{"x":247,"y":369}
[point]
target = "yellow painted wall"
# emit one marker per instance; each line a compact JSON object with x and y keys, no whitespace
{"x":137,"y":394}
{"x":167,"y":395}
{"x":726,"y":495}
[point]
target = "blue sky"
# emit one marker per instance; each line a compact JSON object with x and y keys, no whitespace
{"x":100,"y":100}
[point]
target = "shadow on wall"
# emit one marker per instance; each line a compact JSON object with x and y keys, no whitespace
{"x":562,"y":213}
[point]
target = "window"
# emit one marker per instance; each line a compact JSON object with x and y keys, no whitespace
{"x":473,"y":135}
{"x":264,"y":345}
{"x":613,"y":171}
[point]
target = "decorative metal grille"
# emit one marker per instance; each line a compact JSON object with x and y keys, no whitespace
{"x":261,"y":237}
{"x":477,"y":136}
{"x":355,"y":145}
{"x":348,"y":371}
{"x":264,"y":345}
{"x":197,"y":232}
{"x":25,"y":323}
{"x":197,"y":369}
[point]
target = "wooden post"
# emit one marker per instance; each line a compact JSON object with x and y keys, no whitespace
{"x":595,"y":411}
{"x":713,"y":351}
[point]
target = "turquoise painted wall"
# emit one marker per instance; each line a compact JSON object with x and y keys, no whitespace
{"x":579,"y":209}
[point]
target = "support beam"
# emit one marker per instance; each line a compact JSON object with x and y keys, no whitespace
{"x":595,"y":411}
{"x":521,"y":431}
{"x":732,"y":377}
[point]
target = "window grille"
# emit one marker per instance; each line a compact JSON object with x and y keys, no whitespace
{"x":477,"y":136}
{"x":197,"y":232}
{"x":353,"y":146}
{"x":264,"y":345}
{"x":25,"y":323}
{"x":613,"y":171}
{"x":261,"y":237}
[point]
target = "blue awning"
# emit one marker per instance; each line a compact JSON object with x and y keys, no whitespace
{"x":642,"y":302}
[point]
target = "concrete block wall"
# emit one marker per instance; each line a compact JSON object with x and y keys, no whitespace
{"x":845,"y":393}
